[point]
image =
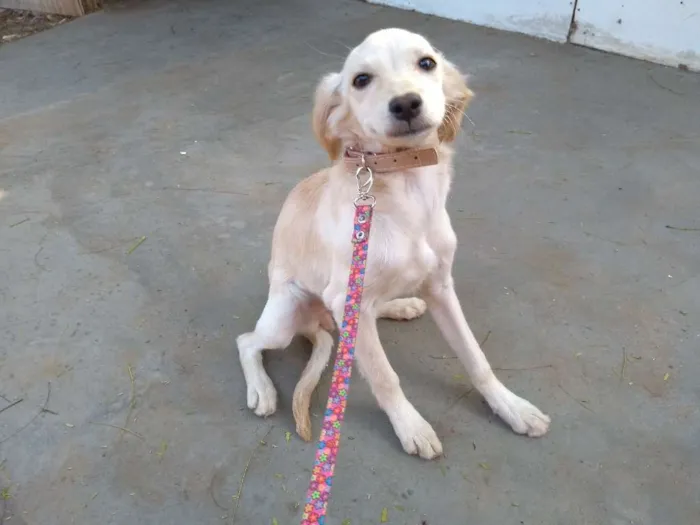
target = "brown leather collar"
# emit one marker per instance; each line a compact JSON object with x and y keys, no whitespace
{"x":388,"y":162}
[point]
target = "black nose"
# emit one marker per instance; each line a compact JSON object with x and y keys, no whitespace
{"x":405,"y":107}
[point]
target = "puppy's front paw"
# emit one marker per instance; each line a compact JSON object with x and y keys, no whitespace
{"x":414,"y":432}
{"x":522,"y":416}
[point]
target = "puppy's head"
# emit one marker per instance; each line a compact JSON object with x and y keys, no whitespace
{"x":395,"y":90}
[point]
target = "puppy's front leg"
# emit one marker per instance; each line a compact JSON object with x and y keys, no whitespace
{"x":414,"y":432}
{"x":520,"y":414}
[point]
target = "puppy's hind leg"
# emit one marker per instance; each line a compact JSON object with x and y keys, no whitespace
{"x":274,"y":330}
{"x":403,"y":309}
{"x":322,"y":343}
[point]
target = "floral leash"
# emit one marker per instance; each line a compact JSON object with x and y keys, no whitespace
{"x":319,"y":492}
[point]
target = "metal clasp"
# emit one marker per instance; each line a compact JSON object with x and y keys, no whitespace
{"x":364,"y":184}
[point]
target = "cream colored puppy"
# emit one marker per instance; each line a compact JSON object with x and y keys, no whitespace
{"x":395,"y":95}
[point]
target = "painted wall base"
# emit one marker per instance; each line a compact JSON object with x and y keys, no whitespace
{"x":662,"y":31}
{"x":549,"y":19}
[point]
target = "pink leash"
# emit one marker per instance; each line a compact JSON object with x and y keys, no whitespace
{"x":319,"y":492}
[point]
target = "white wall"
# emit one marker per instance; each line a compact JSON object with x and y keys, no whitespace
{"x":665,"y":31}
{"x":548,"y":19}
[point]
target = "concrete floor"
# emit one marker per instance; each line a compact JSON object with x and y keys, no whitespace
{"x":575,"y":166}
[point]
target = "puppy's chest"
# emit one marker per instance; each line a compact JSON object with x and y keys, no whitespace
{"x":401,"y":256}
{"x":403,"y":248}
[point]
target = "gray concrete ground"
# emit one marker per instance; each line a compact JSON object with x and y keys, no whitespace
{"x":576,"y":168}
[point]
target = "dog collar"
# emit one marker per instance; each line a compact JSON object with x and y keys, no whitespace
{"x":388,"y":162}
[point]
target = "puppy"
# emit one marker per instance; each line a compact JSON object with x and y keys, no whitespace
{"x":397,"y":100}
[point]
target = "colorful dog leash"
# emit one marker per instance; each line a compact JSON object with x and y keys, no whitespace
{"x":319,"y":492}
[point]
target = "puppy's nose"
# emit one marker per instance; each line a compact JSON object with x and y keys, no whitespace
{"x":405,"y":107}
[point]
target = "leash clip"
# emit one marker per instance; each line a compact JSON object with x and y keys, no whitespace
{"x":364,"y":185}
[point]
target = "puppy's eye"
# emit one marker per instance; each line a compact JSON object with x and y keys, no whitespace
{"x":427,"y":64}
{"x":361,"y":80}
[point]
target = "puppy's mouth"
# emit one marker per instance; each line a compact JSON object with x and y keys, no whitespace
{"x":410,"y":130}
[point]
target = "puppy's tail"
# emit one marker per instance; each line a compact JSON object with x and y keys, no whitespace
{"x":320,"y":355}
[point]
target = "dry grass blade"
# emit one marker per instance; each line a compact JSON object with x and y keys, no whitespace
{"x":575,"y":399}
{"x":482,"y":343}
{"x":138,"y":243}
{"x":132,"y":397}
{"x":8,"y":407}
{"x":18,"y":223}
{"x":42,"y":410}
{"x":261,"y":442}
{"x":205,"y":190}
{"x":681,"y":229}
{"x":462,"y":396}
{"x":123,"y":429}
{"x":524,"y":368}
{"x":132,"y":402}
{"x":624,"y":364}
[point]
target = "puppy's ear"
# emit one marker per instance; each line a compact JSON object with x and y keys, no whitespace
{"x":457,"y":97}
{"x":325,"y":116}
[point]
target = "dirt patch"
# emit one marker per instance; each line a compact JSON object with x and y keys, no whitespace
{"x":16,"y":24}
